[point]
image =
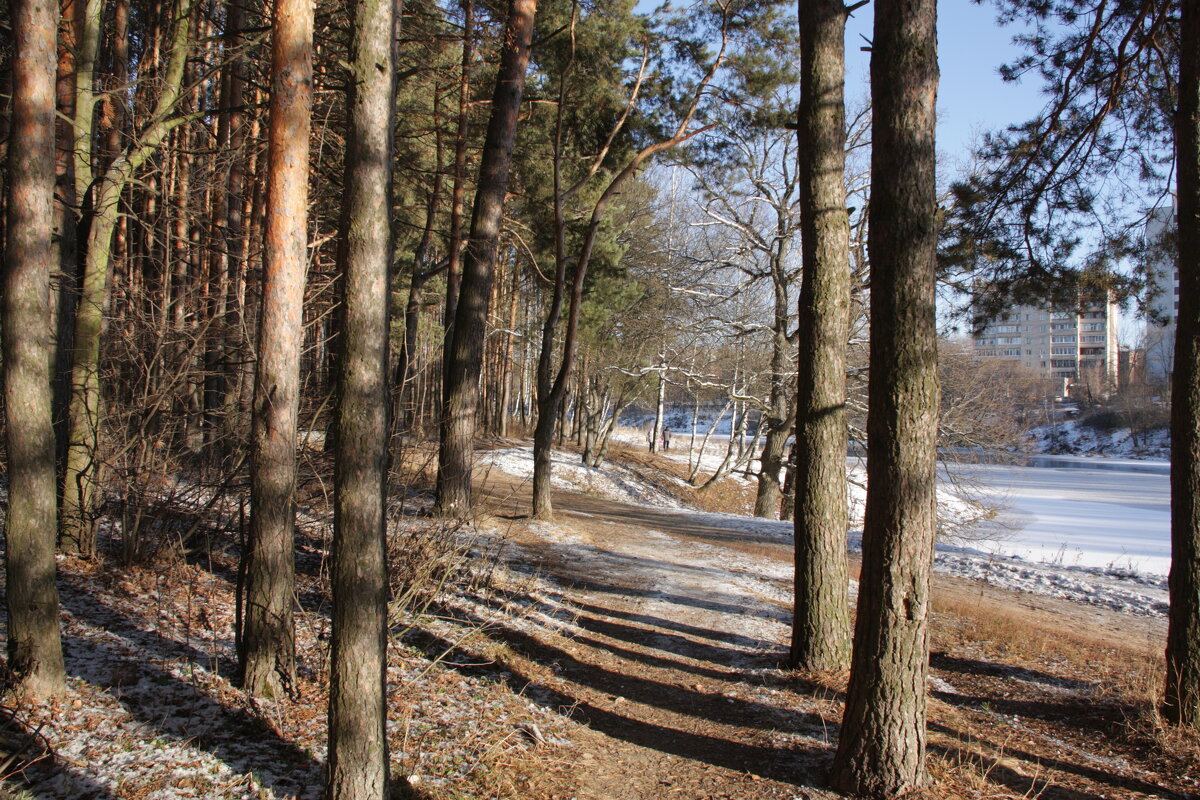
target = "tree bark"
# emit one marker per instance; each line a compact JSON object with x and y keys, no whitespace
{"x":461,"y":392}
{"x":821,"y":620}
{"x":34,"y":645}
{"x":881,"y":752}
{"x":63,"y":284}
{"x":1181,"y":703}
{"x":227,"y":227}
{"x":459,"y":196}
{"x":269,"y":661}
{"x":358,"y":747}
{"x":780,"y":419}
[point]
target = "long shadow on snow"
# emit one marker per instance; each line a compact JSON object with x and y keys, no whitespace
{"x":566,"y":568}
{"x":652,"y":660}
{"x":1031,"y":787}
{"x":796,"y":765}
{"x":577,"y":578}
{"x":239,"y":739}
{"x":696,"y":525}
{"x":675,"y":699}
{"x":638,"y":636}
{"x":659,"y":636}
{"x":736,"y":639}
{"x":672,"y":643}
{"x":44,"y":769}
{"x":970,"y":666}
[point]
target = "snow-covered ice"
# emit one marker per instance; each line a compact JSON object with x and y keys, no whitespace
{"x":1094,"y":536}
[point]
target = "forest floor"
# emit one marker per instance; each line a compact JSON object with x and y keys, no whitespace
{"x":620,"y":652}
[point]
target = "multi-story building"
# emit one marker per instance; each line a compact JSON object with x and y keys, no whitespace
{"x":1068,"y":347}
{"x":1163,"y":275}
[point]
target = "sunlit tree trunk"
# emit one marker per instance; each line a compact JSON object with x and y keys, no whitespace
{"x":881,"y":751}
{"x":461,"y":393}
{"x":269,"y":657}
{"x":459,"y":196}
{"x":228,"y":239}
{"x":780,"y":416}
{"x":358,"y":746}
{"x":34,"y":646}
{"x":821,"y":620}
{"x":1181,"y":704}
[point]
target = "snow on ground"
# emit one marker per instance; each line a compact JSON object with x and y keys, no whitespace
{"x":1075,"y":436}
{"x":1048,"y":537}
{"x":612,"y":482}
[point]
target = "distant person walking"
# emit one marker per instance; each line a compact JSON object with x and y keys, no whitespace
{"x":666,"y":440}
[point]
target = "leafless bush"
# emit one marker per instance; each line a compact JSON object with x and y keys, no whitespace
{"x":428,"y":558}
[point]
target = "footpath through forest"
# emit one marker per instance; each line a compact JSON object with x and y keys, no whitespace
{"x":619,"y":652}
{"x":679,"y":632}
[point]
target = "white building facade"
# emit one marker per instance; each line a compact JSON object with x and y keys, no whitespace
{"x":1067,"y":347}
{"x":1164,"y":295}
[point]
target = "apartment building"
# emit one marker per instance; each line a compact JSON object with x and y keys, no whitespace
{"x":1164,"y":295}
{"x":1068,"y":347}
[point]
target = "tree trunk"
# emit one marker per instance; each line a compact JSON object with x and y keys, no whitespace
{"x":821,"y":620}
{"x":269,"y":661}
{"x":1181,"y":704}
{"x":405,"y":412}
{"x":220,"y":351}
{"x":459,"y":195}
{"x":84,"y":412}
{"x":34,"y":645}
{"x":461,"y":393}
{"x":881,"y":752}
{"x":506,"y":359}
{"x":780,"y":419}
{"x":64,"y":290}
{"x":358,"y":746}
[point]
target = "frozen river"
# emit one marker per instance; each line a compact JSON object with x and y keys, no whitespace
{"x":1078,"y":517}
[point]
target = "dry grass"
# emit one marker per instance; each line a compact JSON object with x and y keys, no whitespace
{"x":1021,"y":633}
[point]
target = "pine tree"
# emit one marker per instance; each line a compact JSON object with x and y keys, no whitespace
{"x":465,"y":359}
{"x":34,"y":645}
{"x":1181,"y":703}
{"x":268,"y":641}
{"x":358,"y":747}
{"x":881,"y":751}
{"x":821,"y":621}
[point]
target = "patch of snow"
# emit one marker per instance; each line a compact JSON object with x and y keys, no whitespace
{"x":611,"y":481}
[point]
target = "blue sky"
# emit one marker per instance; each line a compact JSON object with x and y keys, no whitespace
{"x":972,"y":98}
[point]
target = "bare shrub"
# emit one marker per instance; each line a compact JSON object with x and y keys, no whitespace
{"x":426,"y":559}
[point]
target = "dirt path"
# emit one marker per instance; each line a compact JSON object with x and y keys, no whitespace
{"x":672,"y":659}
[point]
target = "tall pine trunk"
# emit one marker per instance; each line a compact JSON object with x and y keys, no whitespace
{"x":461,"y":390}
{"x":358,"y":761}
{"x":269,"y":657}
{"x":881,"y":752}
{"x":34,"y":646}
{"x":1181,"y":703}
{"x":821,"y":620}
